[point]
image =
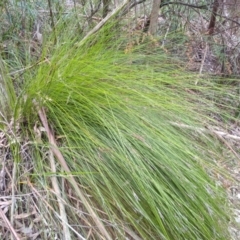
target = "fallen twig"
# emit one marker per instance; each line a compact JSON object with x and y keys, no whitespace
{"x":208,"y":129}
{"x":220,"y":134}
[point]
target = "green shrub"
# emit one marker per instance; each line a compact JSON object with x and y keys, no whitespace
{"x":114,"y":115}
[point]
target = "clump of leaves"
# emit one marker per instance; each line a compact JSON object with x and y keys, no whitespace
{"x":112,"y":119}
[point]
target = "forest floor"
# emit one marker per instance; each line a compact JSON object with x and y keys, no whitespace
{"x":232,"y":166}
{"x":234,"y":198}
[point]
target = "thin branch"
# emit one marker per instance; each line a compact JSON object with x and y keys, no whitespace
{"x":163,"y":4}
{"x":206,"y":7}
{"x":130,"y":6}
{"x":103,"y":22}
{"x":229,"y":19}
{"x":28,"y":67}
{"x":93,"y":11}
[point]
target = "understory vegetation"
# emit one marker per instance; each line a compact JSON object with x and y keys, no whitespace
{"x":107,"y":134}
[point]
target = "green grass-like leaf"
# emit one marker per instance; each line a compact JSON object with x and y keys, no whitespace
{"x":112,"y":113}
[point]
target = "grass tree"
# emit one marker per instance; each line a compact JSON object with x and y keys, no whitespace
{"x":97,"y":150}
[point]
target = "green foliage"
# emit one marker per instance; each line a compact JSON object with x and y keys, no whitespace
{"x":113,"y":113}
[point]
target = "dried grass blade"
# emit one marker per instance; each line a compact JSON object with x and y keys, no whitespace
{"x":4,"y":218}
{"x":59,"y":156}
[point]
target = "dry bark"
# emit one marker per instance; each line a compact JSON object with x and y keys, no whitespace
{"x":154,"y":17}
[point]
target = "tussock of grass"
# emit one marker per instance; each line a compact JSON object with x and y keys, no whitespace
{"x":112,"y":114}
